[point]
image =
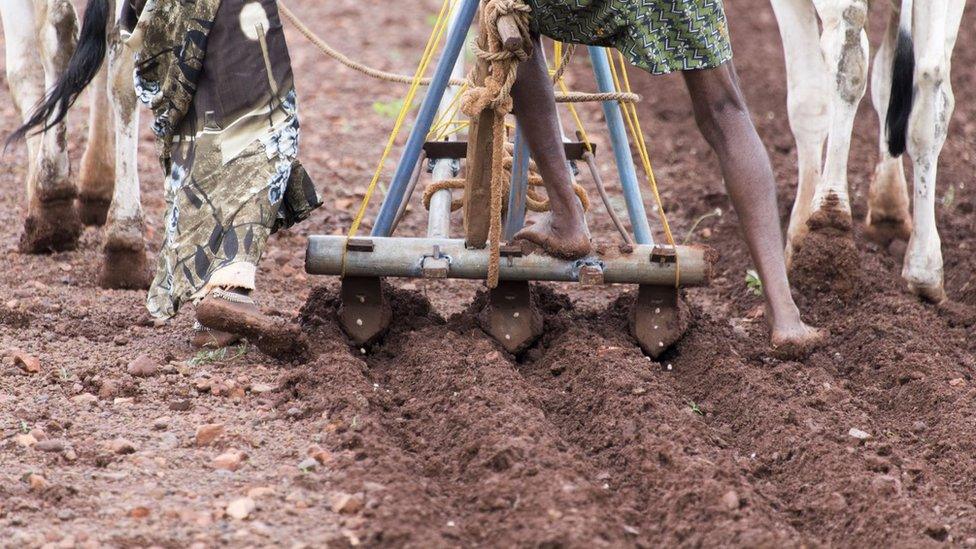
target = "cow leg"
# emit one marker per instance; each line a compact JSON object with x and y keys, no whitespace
{"x":124,"y":263}
{"x":809,"y":109}
{"x":888,"y":215}
{"x":936,"y":26}
{"x":97,"y":179}
{"x":845,"y":49}
{"x":25,"y":74}
{"x":52,"y":221}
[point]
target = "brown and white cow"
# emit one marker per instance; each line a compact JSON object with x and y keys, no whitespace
{"x":40,"y":37}
{"x":827,"y":73}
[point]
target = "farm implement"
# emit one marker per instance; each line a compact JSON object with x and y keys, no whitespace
{"x":479,"y":164}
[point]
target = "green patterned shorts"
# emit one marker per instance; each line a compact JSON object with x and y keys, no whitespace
{"x":659,"y":36}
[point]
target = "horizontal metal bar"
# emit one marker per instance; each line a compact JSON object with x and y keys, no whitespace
{"x":404,"y":257}
{"x":459,"y":149}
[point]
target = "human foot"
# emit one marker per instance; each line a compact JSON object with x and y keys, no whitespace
{"x":564,"y":240}
{"x":794,"y":340}
{"x":234,"y":312}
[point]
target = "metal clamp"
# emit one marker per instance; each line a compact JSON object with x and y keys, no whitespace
{"x":664,"y":255}
{"x":589,"y":272}
{"x":436,"y":265}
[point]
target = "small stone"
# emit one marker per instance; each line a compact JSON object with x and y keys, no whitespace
{"x":957,"y":382}
{"x":139,"y":512}
{"x":65,"y":514}
{"x":229,"y":460}
{"x":121,"y":340}
{"x":858,"y":434}
{"x":109,"y":389}
{"x":182,"y":405}
{"x":208,"y":433}
{"x":85,"y":399}
{"x":50,"y":445}
{"x":160,"y":423}
{"x":37,"y":482}
{"x":308,"y":464}
{"x":25,"y":440}
{"x":260,"y":492}
{"x":731,"y":500}
{"x":241,"y":508}
{"x":28,"y":363}
{"x":346,"y":504}
{"x":320,"y":455}
{"x":970,"y":542}
{"x":919,"y":426}
{"x":261,"y":388}
{"x":142,"y":366}
{"x":121,"y":446}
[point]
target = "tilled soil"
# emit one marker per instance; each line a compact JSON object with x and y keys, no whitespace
{"x":434,"y":436}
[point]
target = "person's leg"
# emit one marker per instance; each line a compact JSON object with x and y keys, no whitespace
{"x":561,"y":232}
{"x":724,"y":121}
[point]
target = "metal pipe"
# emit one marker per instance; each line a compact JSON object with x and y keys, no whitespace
{"x":439,"y":216}
{"x":459,"y":26}
{"x":602,"y":189}
{"x":517,"y":190}
{"x":406,"y":197}
{"x":621,"y":149}
{"x":404,"y":257}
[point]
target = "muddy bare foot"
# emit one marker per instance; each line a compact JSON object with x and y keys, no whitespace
{"x":54,"y":226}
{"x":796,"y":340}
{"x":565,"y":242}
{"x":235,"y":313}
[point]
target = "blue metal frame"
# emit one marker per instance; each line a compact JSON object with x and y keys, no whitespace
{"x":425,"y":117}
{"x":520,"y":183}
{"x":621,"y":149}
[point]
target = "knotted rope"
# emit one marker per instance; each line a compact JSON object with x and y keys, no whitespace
{"x":498,"y":72}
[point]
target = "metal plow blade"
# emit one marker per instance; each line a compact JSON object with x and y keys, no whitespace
{"x":657,"y":320}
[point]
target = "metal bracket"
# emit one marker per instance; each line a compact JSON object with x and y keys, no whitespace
{"x":656,"y":320}
{"x":360,"y":245}
{"x":664,"y":255}
{"x":436,"y":265}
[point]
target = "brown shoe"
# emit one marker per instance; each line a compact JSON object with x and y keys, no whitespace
{"x":236,"y":313}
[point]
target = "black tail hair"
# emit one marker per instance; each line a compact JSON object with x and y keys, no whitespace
{"x":82,"y":68}
{"x":902,"y":92}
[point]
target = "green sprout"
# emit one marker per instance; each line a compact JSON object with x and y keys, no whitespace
{"x":695,"y":408}
{"x":216,"y":356}
{"x":753,"y":282}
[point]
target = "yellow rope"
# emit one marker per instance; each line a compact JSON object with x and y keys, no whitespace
{"x":633,"y":122}
{"x":435,"y":37}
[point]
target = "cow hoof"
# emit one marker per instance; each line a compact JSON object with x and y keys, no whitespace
{"x":53,"y":227}
{"x":932,"y":293}
{"x":883,"y":230}
{"x":93,"y":210}
{"x":124,"y":264}
{"x":124,"y":269}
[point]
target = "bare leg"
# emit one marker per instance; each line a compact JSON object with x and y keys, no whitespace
{"x":562,"y":232}
{"x":723,"y":118}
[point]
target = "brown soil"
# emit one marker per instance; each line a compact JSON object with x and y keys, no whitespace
{"x":434,"y":436}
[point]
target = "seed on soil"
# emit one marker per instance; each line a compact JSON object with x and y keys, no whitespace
{"x":858,"y":434}
{"x":261,"y":388}
{"x":731,"y":500}
{"x":208,"y":433}
{"x":142,"y":366}
{"x":241,"y":508}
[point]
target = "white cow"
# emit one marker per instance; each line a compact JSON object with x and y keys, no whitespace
{"x":40,"y":38}
{"x":827,"y":72}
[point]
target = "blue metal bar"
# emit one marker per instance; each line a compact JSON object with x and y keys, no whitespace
{"x":519,"y":186}
{"x":621,"y":149}
{"x":425,"y":117}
